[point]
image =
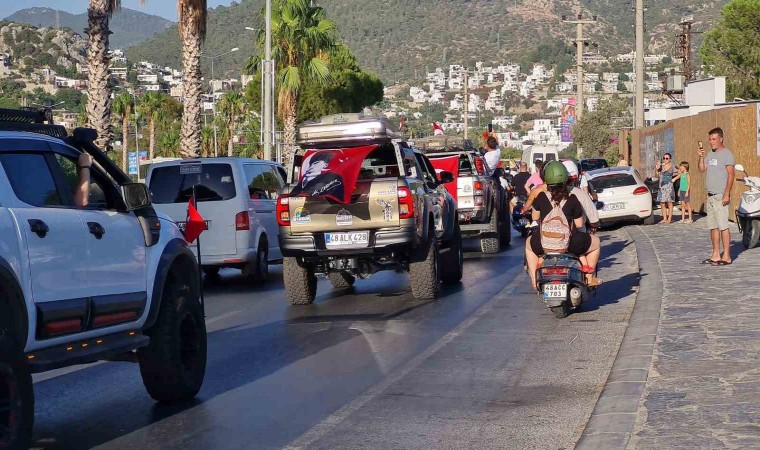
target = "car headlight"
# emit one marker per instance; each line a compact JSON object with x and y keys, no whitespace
{"x":750,"y":198}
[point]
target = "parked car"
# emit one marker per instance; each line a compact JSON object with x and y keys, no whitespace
{"x":111,"y":280}
{"x":622,"y":194}
{"x":482,"y":202}
{"x":236,"y":197}
{"x":359,"y":201}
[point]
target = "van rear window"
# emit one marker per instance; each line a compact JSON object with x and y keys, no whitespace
{"x":214,"y":183}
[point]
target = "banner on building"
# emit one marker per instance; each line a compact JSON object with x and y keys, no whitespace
{"x":567,"y":119}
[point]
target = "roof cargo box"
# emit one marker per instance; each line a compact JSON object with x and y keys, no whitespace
{"x":346,"y":129}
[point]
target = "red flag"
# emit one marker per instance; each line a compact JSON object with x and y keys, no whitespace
{"x":194,"y":225}
{"x":448,"y":164}
{"x":331,"y":173}
{"x":437,"y":130}
{"x":486,"y":135}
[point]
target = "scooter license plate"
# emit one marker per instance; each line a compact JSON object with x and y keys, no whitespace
{"x":555,"y":291}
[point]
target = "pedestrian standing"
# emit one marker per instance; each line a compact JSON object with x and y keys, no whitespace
{"x":622,"y":161}
{"x":666,"y":195}
{"x":684,"y":192}
{"x":719,"y":166}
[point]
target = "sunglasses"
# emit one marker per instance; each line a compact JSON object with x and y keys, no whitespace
{"x":666,"y":159}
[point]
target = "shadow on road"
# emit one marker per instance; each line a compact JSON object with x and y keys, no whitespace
{"x":612,"y":291}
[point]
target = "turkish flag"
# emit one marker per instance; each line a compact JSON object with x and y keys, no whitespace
{"x":194,"y":225}
{"x":331,"y":173}
{"x":448,"y":164}
{"x":437,"y":130}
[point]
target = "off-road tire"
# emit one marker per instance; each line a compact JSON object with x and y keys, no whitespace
{"x":560,"y":312}
{"x":341,"y":280}
{"x":751,"y":234}
{"x":452,"y":262}
{"x":490,"y":245}
{"x":260,"y":273}
{"x":505,"y":229}
{"x":300,"y":282}
{"x":424,"y":274}
{"x":16,"y":396}
{"x":173,"y":365}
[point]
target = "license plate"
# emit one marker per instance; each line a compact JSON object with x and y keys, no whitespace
{"x":552,"y":291}
{"x":347,"y":239}
{"x":182,"y":225}
{"x":613,"y":206}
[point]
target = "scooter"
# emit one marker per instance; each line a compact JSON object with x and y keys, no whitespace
{"x":520,"y":222}
{"x":748,"y":213}
{"x":561,"y":283}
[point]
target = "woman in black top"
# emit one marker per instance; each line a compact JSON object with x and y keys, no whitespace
{"x":584,"y":245}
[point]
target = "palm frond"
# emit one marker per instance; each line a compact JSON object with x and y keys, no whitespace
{"x":290,"y":79}
{"x":318,"y":69}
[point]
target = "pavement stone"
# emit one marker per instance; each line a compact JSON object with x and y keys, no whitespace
{"x":703,"y":389}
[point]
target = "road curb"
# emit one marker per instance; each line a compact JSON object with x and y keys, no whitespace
{"x":615,"y":413}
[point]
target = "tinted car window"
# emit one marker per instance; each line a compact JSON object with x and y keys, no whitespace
{"x":613,"y":181}
{"x":593,"y":164}
{"x":263,"y":181}
{"x":214,"y":183}
{"x":551,"y":157}
{"x":37,"y":190}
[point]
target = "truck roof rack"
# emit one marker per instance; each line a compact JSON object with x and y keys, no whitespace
{"x":31,"y":121}
{"x":439,"y":144}
{"x":343,"y":129}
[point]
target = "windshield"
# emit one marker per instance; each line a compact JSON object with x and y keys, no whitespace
{"x":593,"y":164}
{"x":613,"y":181}
{"x":214,"y":183}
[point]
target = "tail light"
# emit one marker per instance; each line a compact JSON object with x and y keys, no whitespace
{"x":555,"y":271}
{"x":479,"y":166}
{"x":478,"y":200}
{"x":242,"y":221}
{"x":283,"y":210}
{"x":641,"y":190}
{"x":478,"y":187}
{"x":405,"y":203}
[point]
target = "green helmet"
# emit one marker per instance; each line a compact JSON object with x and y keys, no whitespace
{"x":555,"y":173}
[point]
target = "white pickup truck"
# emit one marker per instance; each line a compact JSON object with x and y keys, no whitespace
{"x":78,"y":284}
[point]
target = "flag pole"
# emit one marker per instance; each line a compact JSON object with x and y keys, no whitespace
{"x":200,"y":269}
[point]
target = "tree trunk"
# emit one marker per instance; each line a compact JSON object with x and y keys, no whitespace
{"x":230,"y":144}
{"x":152,"y":141}
{"x":290,"y":128}
{"x":191,"y":90}
{"x":98,"y":95}
{"x":125,"y":141}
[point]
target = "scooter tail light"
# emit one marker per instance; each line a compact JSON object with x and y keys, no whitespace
{"x":555,"y":270}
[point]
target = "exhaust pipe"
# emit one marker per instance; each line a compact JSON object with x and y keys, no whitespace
{"x":576,"y":296}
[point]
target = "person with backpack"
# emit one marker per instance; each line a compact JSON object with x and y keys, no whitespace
{"x":560,"y":217}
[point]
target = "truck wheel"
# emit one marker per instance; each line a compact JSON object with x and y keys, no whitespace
{"x":490,"y":242}
{"x":505,"y":229}
{"x":423,"y":270}
{"x":341,"y":280}
{"x":174,"y":363}
{"x":16,"y":397}
{"x":751,"y":234}
{"x":300,"y":282}
{"x":453,"y":261}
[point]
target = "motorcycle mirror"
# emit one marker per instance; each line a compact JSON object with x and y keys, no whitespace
{"x":739,"y":167}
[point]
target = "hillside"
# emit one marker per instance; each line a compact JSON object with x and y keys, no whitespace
{"x":34,"y":48}
{"x":397,"y":38}
{"x":129,"y":27}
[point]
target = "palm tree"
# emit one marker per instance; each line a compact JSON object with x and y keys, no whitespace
{"x":99,"y":97}
{"x":302,"y":37}
{"x":232,"y":106}
{"x":151,"y":106}
{"x":192,"y":32}
{"x":123,"y":107}
{"x":207,"y":141}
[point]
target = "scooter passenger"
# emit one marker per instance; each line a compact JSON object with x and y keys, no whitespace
{"x":557,"y":194}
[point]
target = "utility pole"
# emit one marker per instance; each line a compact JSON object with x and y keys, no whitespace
{"x":683,"y":49}
{"x":466,"y":102}
{"x":639,"y":112}
{"x":579,"y":22}
{"x":268,"y":74}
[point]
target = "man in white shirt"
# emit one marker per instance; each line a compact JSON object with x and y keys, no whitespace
{"x":493,"y":155}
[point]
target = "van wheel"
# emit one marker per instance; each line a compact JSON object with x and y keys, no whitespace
{"x":341,"y":280}
{"x":300,"y":282}
{"x":16,"y":397}
{"x":489,"y":241}
{"x":173,"y":364}
{"x":259,"y":271}
{"x":453,"y":261}
{"x":423,"y":270}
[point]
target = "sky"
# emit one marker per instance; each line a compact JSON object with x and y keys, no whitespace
{"x":163,"y":8}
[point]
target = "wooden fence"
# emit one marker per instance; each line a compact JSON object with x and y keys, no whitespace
{"x":680,"y":136}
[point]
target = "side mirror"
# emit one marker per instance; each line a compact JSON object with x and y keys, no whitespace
{"x":446,"y":177}
{"x":136,"y":195}
{"x":739,"y":167}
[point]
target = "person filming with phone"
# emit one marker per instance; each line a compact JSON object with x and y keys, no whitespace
{"x":719,"y":179}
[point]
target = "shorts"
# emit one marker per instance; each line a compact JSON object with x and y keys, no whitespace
{"x":683,"y":197}
{"x":717,"y":214}
{"x":580,"y":242}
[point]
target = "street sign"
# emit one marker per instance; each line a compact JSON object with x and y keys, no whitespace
{"x":134,"y":166}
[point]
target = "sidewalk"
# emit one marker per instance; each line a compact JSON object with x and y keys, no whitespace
{"x":702,"y":389}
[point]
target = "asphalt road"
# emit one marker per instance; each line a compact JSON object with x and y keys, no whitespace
{"x":344,"y":372}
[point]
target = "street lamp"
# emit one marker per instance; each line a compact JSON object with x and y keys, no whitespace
{"x":213,"y":92}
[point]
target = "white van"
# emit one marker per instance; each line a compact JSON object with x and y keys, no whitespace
{"x":535,"y":152}
{"x":237,"y":199}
